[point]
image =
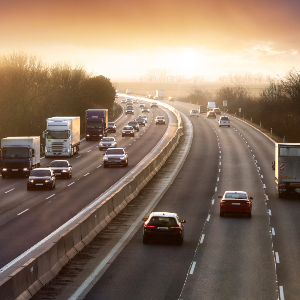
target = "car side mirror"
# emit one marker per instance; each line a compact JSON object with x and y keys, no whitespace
{"x":251,"y":198}
{"x":126,"y":153}
{"x":183,"y":221}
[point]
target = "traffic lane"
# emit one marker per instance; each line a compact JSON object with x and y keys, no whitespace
{"x":51,"y":213}
{"x":158,"y":270}
{"x":235,"y":257}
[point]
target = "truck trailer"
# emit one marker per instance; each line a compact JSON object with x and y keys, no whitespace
{"x":96,"y":122}
{"x":62,"y":136}
{"x":211,"y":105}
{"x":287,"y":168}
{"x":160,"y":94}
{"x":19,"y":155}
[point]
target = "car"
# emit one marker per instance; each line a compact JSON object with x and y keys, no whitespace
{"x":160,"y":120}
{"x":203,"y":109}
{"x":171,"y":99}
{"x":134,"y":124}
{"x":107,"y":142}
{"x":115,"y":157}
{"x":237,"y":202}
{"x":129,"y":104}
{"x":143,"y":116}
{"x":129,"y":111}
{"x":217,"y":110}
{"x":224,"y":121}
{"x":211,"y":114}
{"x":129,"y":100}
{"x":128,"y":130}
{"x":135,"y":101}
{"x":141,"y":121}
{"x":123,"y":101}
{"x":153,"y":104}
{"x":163,"y":225}
{"x":111,"y":127}
{"x":150,"y":96}
{"x":41,"y":178}
{"x":155,"y":98}
{"x":61,"y":168}
{"x":116,"y":96}
{"x":145,"y":109}
{"x":194,"y":113}
{"x":141,"y":104}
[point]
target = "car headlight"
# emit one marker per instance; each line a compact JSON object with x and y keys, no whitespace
{"x":105,"y":158}
{"x":47,"y":180}
{"x":31,"y":180}
{"x":87,"y":135}
{"x":25,"y":169}
{"x":101,"y":144}
{"x":4,"y":169}
{"x":64,"y":171}
{"x":123,"y":157}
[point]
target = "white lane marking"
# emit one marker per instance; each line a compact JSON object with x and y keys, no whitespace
{"x":212,"y":201}
{"x":277,"y":257}
{"x":261,"y":176}
{"x":202,"y":238}
{"x":48,"y":202}
{"x":267,"y":197}
{"x":216,"y":189}
{"x":208,"y":218}
{"x":220,"y":151}
{"x":23,"y":211}
{"x":50,"y":196}
{"x":9,"y":191}
{"x":71,"y":183}
{"x":218,"y":179}
{"x":86,"y":174}
{"x":220,"y":163}
{"x":99,"y":166}
{"x":193,"y":267}
{"x":89,"y":151}
{"x":78,"y":156}
{"x":273,"y":231}
{"x":220,"y":157}
{"x":281,"y":292}
{"x":264,"y":186}
{"x":269,"y":212}
{"x":219,"y":170}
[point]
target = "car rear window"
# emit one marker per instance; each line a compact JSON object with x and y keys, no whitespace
{"x":235,"y":196}
{"x":115,"y":151}
{"x":163,"y":221}
{"x":59,"y":164}
{"x":40,"y":173}
{"x":224,"y":118}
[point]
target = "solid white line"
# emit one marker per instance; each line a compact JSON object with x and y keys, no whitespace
{"x":193,"y":267}
{"x":23,"y":211}
{"x":71,"y":183}
{"x":281,"y":293}
{"x":9,"y":191}
{"x":50,"y":197}
{"x":202,"y":238}
{"x":273,"y":231}
{"x":212,"y":201}
{"x":208,"y":217}
{"x":277,"y":257}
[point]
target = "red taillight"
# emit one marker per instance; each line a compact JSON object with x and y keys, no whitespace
{"x":178,"y":227}
{"x":146,"y":225}
{"x":248,"y":202}
{"x":222,"y":202}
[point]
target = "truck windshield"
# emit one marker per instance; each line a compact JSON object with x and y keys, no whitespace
{"x":94,"y":125}
{"x":58,"y":135}
{"x":15,"y":153}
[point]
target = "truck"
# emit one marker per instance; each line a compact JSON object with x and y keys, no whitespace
{"x":287,"y":168}
{"x":160,"y":94}
{"x":211,"y":105}
{"x":19,"y":155}
{"x":203,"y":109}
{"x":128,"y":91}
{"x":62,"y":136}
{"x":96,"y":122}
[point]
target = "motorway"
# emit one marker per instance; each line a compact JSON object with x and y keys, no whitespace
{"x":26,"y":217}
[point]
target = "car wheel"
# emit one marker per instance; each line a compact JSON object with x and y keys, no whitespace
{"x":249,"y":215}
{"x":122,"y":135}
{"x":145,"y":240}
{"x":221,"y":214}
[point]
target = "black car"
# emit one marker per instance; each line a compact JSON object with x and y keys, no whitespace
{"x":41,"y":178}
{"x":135,"y":125}
{"x":141,"y":121}
{"x":129,"y":111}
{"x":211,"y":114}
{"x":127,"y":130}
{"x":115,"y":156}
{"x":61,"y":168}
{"x":111,"y":127}
{"x":163,"y":225}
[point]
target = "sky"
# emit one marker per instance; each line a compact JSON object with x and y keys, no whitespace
{"x":125,"y":38}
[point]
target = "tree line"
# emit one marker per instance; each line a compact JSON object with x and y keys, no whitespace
{"x":32,"y":91}
{"x":276,"y":107}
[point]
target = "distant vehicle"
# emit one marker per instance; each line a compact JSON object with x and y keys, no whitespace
{"x":123,"y":101}
{"x":145,"y":109}
{"x":127,"y":130}
{"x":211,"y":114}
{"x":115,"y":157}
{"x":96,"y":124}
{"x":128,"y":91}
{"x":160,"y":94}
{"x":171,"y":99}
{"x":163,"y":225}
{"x":224,"y":121}
{"x":160,"y":120}
{"x":107,"y":142}
{"x":135,"y":101}
{"x":111,"y":127}
{"x":148,"y":94}
{"x":129,"y":100}
{"x":217,"y":110}
{"x":61,"y":168}
{"x":141,"y":121}
{"x":286,"y":167}
{"x":134,"y":124}
{"x":143,"y":116}
{"x":235,"y":202}
{"x":154,"y":104}
{"x":116,"y":96}
{"x":203,"y":109}
{"x":150,"y":97}
{"x":129,"y":111}
{"x":141,"y":104}
{"x":41,"y":178}
{"x":155,"y":98}
{"x":194,"y":113}
{"x":211,"y":105}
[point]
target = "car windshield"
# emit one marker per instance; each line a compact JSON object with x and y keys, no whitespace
{"x":142,"y":116}
{"x":111,"y":123}
{"x":127,"y":128}
{"x":115,"y":151}
{"x":163,"y":221}
{"x":236,"y":195}
{"x":40,"y":173}
{"x":107,"y":139}
{"x":59,"y":164}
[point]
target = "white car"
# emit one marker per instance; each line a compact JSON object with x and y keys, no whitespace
{"x":160,"y":120}
{"x":194,"y":113}
{"x":107,"y":142}
{"x":123,"y":101}
{"x":145,"y":109}
{"x":224,"y":121}
{"x":135,"y":101}
{"x":154,"y":104}
{"x":142,"y":105}
{"x":144,"y":117}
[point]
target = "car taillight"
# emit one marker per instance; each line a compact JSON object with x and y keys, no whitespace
{"x":222,"y":202}
{"x":248,"y":202}
{"x":178,"y":227}
{"x":146,"y":225}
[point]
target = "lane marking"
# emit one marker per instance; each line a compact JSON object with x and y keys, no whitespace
{"x":50,"y":197}
{"x":89,"y":151}
{"x":212,"y":201}
{"x":202,"y":238}
{"x":23,"y":211}
{"x":78,"y":156}
{"x":273,"y":231}
{"x":9,"y":191}
{"x":277,"y":257}
{"x":264,"y":186}
{"x":193,"y":267}
{"x":99,"y":166}
{"x":208,"y":218}
{"x":218,"y":179}
{"x":71,"y":183}
{"x":219,"y":170}
{"x":270,"y":213}
{"x":86,"y":174}
{"x":267,"y":197}
{"x":216,"y":189}
{"x":281,"y":293}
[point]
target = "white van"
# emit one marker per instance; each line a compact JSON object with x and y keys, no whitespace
{"x":194,"y":113}
{"x":224,"y":121}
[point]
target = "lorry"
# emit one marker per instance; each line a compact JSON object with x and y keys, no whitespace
{"x":19,"y":155}
{"x":160,"y":94}
{"x":203,"y":109}
{"x":62,"y":136}
{"x":211,"y":105}
{"x":96,"y":122}
{"x":287,"y":168}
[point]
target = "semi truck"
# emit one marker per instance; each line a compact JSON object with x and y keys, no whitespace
{"x":62,"y":136}
{"x":287,"y":168}
{"x":211,"y":105}
{"x":96,"y":122}
{"x":19,"y":155}
{"x":160,"y":94}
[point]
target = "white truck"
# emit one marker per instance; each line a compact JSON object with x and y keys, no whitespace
{"x":62,"y":136}
{"x":19,"y":155}
{"x":160,"y":94}
{"x":128,"y":91}
{"x":211,"y":105}
{"x":287,"y":168}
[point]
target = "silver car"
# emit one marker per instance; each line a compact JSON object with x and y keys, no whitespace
{"x":107,"y":142}
{"x":115,"y":157}
{"x":61,"y":168}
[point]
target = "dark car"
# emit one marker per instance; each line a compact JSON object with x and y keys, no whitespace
{"x":141,"y":121}
{"x":211,"y":114}
{"x":217,"y":110}
{"x":61,"y":168}
{"x":115,"y":157}
{"x":135,"y":125}
{"x":129,"y":111}
{"x":160,"y":120}
{"x":236,"y":202}
{"x":111,"y":127}
{"x":41,"y":178}
{"x":163,"y":225}
{"x":128,"y":130}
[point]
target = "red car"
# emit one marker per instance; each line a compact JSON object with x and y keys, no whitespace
{"x":236,"y":202}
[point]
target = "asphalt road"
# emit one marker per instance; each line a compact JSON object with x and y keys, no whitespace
{"x":26,"y":217}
